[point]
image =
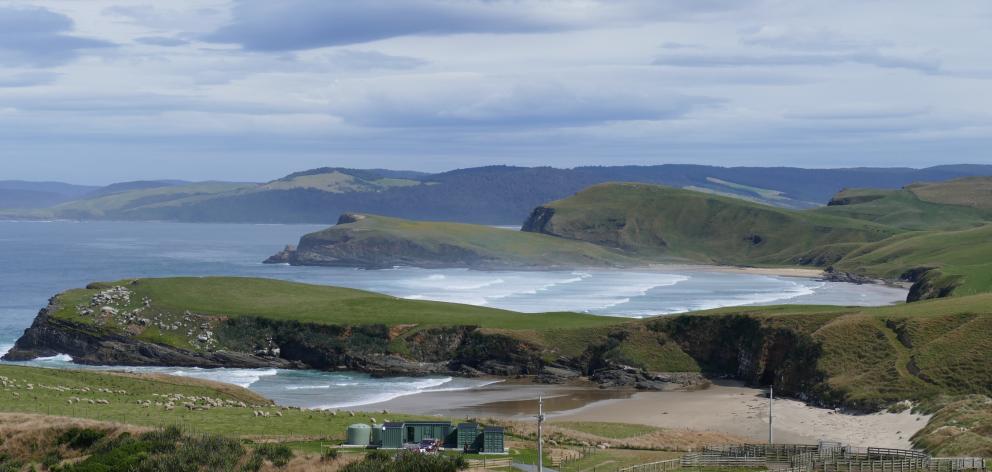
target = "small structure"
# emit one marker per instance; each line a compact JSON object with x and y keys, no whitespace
{"x":359,"y":435}
{"x":396,"y":434}
{"x":468,"y":437}
{"x":492,"y":440}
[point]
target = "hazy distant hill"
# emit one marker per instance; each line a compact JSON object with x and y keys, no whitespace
{"x":21,"y":194}
{"x":485,"y":195}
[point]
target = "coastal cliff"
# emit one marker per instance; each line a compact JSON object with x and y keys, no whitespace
{"x":863,"y":358}
{"x":169,"y":322}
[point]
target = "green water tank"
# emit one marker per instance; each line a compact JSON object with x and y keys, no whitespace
{"x":359,"y":435}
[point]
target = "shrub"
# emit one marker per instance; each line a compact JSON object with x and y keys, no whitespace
{"x":408,"y":462}
{"x":278,"y":454}
{"x":80,"y":438}
{"x":330,"y":454}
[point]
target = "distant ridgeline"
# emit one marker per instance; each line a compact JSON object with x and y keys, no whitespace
{"x":483,"y":195}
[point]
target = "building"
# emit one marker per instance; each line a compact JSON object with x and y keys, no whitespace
{"x":468,"y":437}
{"x":492,"y":440}
{"x":394,"y":435}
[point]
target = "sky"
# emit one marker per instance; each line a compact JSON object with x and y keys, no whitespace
{"x":97,"y":91}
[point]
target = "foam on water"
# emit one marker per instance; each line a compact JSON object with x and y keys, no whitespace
{"x":241,"y":377}
{"x":58,"y":358}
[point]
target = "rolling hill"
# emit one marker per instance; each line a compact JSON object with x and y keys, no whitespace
{"x":484,"y":195}
{"x":17,"y":194}
{"x":944,"y":248}
{"x":655,"y":221}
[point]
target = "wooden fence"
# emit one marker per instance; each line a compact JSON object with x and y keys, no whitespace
{"x":708,"y":459}
{"x":486,"y":463}
{"x":660,"y":466}
{"x":823,"y":457}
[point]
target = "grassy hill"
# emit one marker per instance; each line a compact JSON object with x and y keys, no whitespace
{"x":663,"y":221}
{"x":125,"y":203}
{"x":905,"y":210}
{"x":973,"y":192}
{"x":891,"y":234}
{"x":380,"y":242}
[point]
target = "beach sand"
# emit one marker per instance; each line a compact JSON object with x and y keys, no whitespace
{"x":774,"y":271}
{"x":726,"y":407}
{"x":743,"y":411}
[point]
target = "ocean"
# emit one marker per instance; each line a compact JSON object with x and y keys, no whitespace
{"x":40,"y":259}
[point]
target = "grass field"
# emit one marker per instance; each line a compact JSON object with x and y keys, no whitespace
{"x":236,"y":296}
{"x":51,"y":390}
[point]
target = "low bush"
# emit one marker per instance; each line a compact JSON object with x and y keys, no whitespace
{"x":407,"y":462}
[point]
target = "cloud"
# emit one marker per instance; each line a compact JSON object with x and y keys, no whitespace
{"x":926,"y":66}
{"x":469,"y":103}
{"x":806,"y":39}
{"x":264,"y":25}
{"x":38,"y":37}
{"x":161,"y":41}
{"x":27,"y":79}
{"x":370,"y":60}
{"x":873,"y":112}
{"x":306,"y":24}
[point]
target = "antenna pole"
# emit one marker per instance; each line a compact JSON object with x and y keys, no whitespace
{"x":540,"y":431}
{"x":771,"y":398}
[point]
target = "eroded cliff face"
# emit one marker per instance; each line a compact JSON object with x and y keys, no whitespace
{"x":88,"y":344}
{"x":749,"y":349}
{"x":249,"y":342}
{"x":930,"y":283}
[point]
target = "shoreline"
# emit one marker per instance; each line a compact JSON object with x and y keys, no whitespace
{"x":727,"y":407}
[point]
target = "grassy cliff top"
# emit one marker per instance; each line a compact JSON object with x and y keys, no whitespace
{"x":360,"y":239}
{"x":280,"y":300}
{"x":906,"y":209}
{"x":975,"y":192}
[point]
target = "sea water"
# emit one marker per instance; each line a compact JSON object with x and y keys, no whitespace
{"x":40,"y":259}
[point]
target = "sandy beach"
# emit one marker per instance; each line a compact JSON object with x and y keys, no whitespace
{"x":774,"y":271}
{"x":726,"y":407}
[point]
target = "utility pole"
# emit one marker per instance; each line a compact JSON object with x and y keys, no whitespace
{"x":540,"y":431}
{"x":771,"y":398}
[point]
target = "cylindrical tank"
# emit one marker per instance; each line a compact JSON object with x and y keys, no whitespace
{"x":376,"y":436}
{"x":359,"y":435}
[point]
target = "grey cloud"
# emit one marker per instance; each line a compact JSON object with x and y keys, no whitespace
{"x":161,"y":41}
{"x":27,"y":79}
{"x":371,"y":60}
{"x":750,"y":60}
{"x":859,"y":113}
{"x":547,"y":105}
{"x":137,"y":104}
{"x":38,"y":37}
{"x":306,"y":24}
{"x":806,"y":40}
{"x":264,"y":25}
{"x":677,"y":45}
